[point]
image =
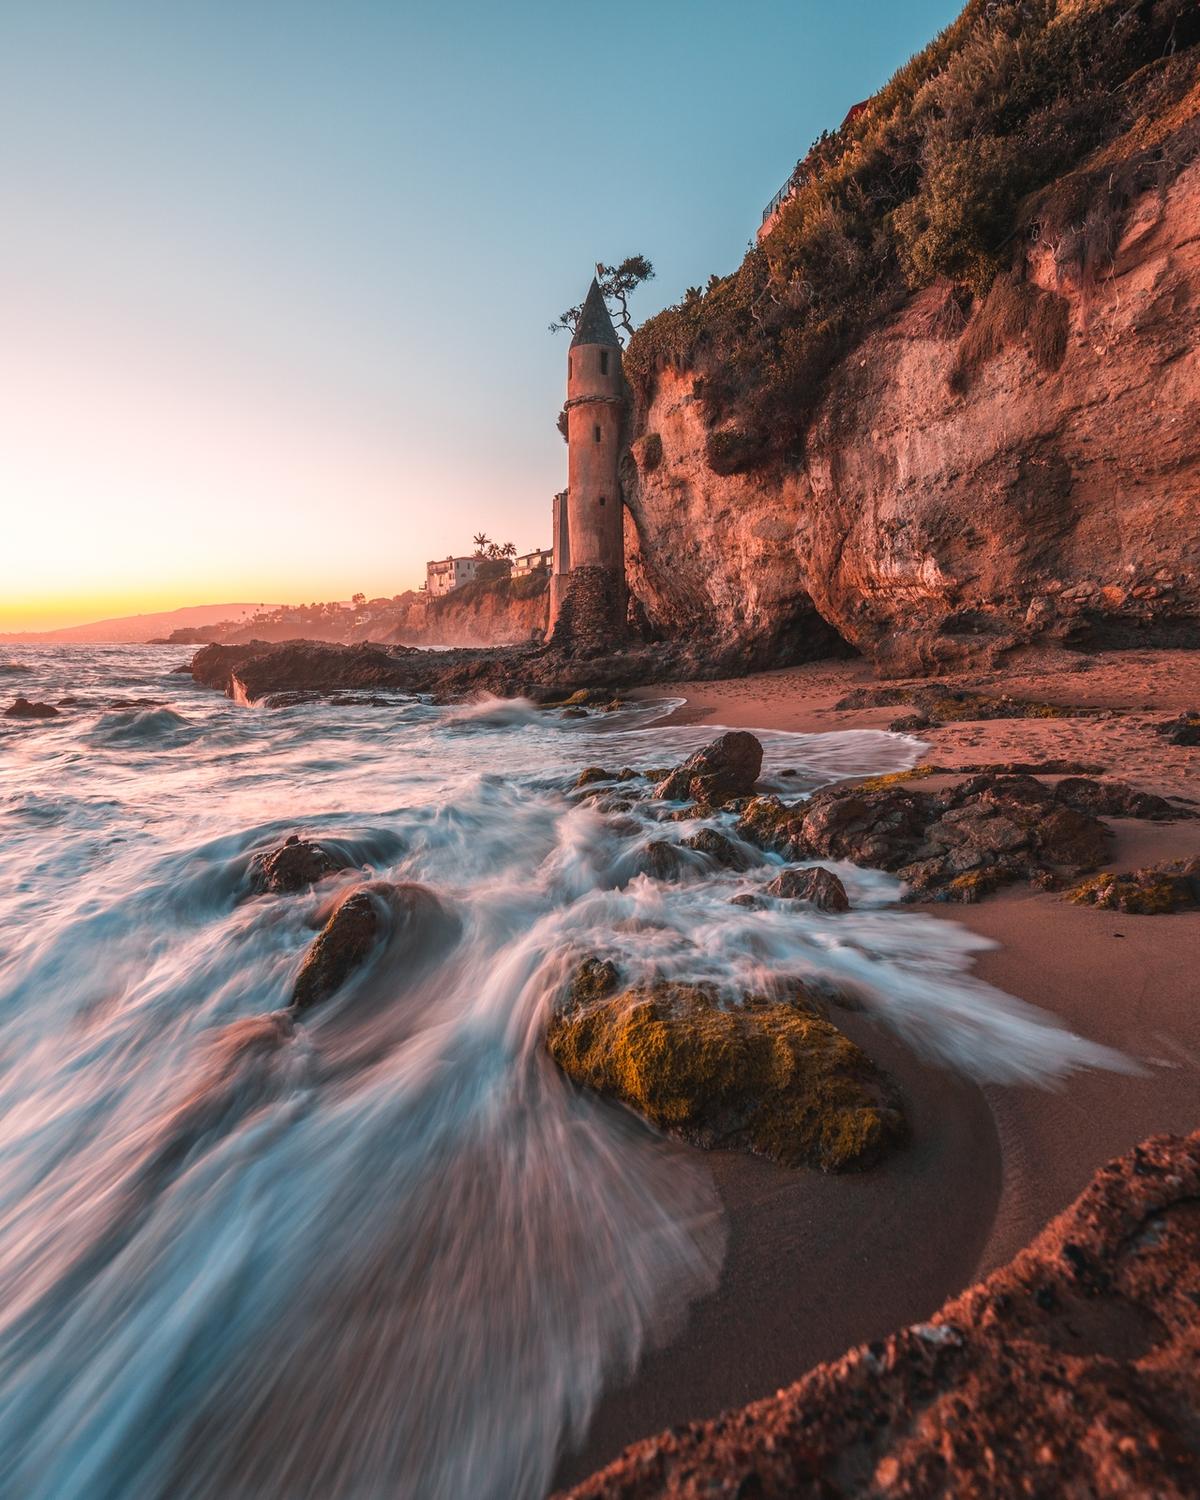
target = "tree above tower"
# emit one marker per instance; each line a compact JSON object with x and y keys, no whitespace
{"x":612,"y":286}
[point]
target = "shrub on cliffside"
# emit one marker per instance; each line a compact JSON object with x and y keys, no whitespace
{"x":932,"y":180}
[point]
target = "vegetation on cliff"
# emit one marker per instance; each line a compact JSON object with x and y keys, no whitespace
{"x":996,"y":135}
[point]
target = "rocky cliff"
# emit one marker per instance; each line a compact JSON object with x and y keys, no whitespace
{"x":502,"y":612}
{"x":954,"y":497}
{"x":994,"y":457}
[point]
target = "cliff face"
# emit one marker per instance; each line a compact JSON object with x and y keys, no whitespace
{"x":506,"y":612}
{"x":1036,"y":473}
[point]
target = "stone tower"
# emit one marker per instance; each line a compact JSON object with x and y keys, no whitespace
{"x":587,"y":587}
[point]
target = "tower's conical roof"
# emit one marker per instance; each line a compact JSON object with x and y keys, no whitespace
{"x":595,"y":326}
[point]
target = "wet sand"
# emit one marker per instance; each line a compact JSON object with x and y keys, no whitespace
{"x":817,"y":1264}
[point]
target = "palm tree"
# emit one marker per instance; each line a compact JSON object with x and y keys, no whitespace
{"x":482,"y":543}
{"x":508,"y":550}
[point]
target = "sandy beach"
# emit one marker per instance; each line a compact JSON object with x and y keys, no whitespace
{"x":816,"y":1264}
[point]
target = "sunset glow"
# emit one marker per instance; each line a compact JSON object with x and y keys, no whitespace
{"x":274,"y":292}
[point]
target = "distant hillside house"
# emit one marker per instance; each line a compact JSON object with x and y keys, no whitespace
{"x":538,"y":560}
{"x":444,"y":576}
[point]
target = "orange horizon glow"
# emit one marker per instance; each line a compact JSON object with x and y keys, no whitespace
{"x":48,"y":612}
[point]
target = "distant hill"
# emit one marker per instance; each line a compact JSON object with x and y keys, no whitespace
{"x":133,"y":629}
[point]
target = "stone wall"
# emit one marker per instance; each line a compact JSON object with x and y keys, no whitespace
{"x":591,"y":611}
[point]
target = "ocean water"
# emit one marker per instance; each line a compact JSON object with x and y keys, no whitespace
{"x":390,"y":1252}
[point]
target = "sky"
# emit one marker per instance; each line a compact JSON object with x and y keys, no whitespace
{"x":276,"y":275}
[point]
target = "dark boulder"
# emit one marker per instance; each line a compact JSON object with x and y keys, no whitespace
{"x":660,"y":860}
{"x":816,"y":885}
{"x":726,"y":768}
{"x":719,"y":848}
{"x":1185,"y":730}
{"x":24,"y":709}
{"x":1114,"y":799}
{"x":954,"y":844}
{"x":343,"y":945}
{"x":294,"y":865}
{"x":412,"y":921}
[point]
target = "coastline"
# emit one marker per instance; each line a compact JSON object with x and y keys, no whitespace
{"x":817,"y":1265}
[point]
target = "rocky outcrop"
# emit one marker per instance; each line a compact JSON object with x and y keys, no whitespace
{"x":294,"y":671}
{"x":1071,"y":1371}
{"x":501,"y":612}
{"x":959,"y":495}
{"x":294,"y":865}
{"x":769,"y":1076}
{"x":817,"y":886}
{"x":955,"y":844}
{"x":1152,"y":891}
{"x":413,"y":923}
{"x":22,"y":708}
{"x":712,"y":775}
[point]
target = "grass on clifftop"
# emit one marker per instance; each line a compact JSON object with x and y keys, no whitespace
{"x":942,"y":179}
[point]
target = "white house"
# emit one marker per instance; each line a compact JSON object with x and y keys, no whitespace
{"x":445,"y":575}
{"x":530,"y":562}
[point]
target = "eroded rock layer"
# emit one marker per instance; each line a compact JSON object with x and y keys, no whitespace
{"x":1072,"y":1371}
{"x":961,"y":493}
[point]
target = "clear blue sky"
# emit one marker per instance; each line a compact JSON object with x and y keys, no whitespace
{"x":275,"y":275}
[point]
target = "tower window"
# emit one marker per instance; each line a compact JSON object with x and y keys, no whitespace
{"x":570,"y":367}
{"x":601,"y":499}
{"x":604,"y":361}
{"x":596,"y":431}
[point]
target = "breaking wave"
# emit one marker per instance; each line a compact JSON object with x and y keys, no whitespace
{"x":382,"y":1249}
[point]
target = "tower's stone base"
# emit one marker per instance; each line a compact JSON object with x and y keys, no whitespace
{"x":588,"y":611}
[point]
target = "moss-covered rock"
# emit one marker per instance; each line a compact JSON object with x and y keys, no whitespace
{"x":896,"y":778}
{"x":938,"y":705}
{"x":1151,"y":892}
{"x":770,"y":1077}
{"x":993,"y":829}
{"x":974,"y":885}
{"x":773,"y":825}
{"x":583,"y":697}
